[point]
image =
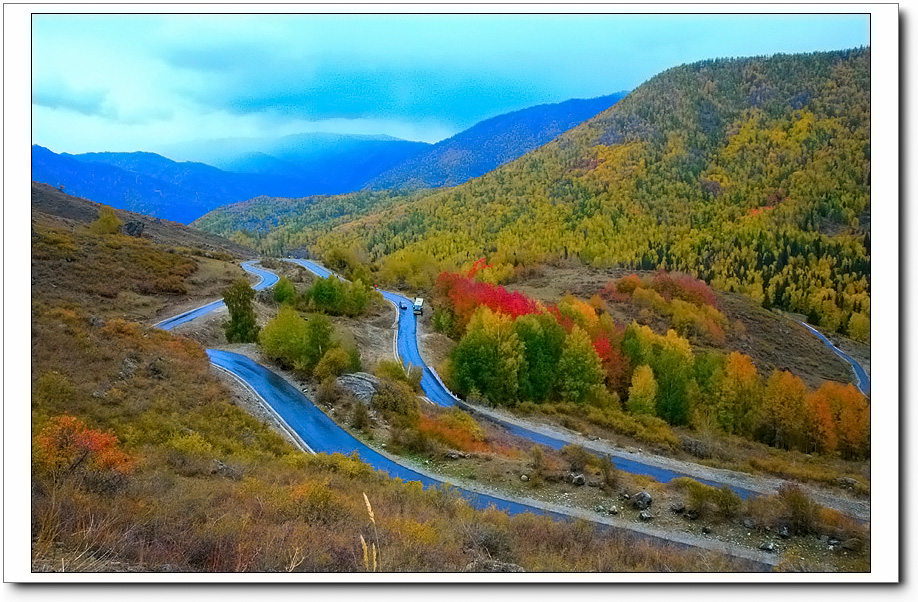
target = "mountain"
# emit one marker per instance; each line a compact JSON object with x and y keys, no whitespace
{"x":753,"y":174}
{"x":334,"y":163}
{"x":491,"y":143}
{"x":182,"y":191}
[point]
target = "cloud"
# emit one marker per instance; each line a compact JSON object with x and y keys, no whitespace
{"x":57,"y":94}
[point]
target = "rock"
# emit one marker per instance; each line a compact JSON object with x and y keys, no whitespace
{"x":824,"y":539}
{"x":768,"y":546}
{"x":696,"y":447}
{"x":96,"y":322}
{"x":489,"y":565}
{"x":133,"y":228}
{"x":451,"y":455}
{"x":593,"y":483}
{"x":578,"y":479}
{"x":593,"y":438}
{"x":691,"y":514}
{"x":677,"y":507}
{"x":784,"y":531}
{"x":613,"y":511}
{"x":833,"y":541}
{"x":128,"y":367}
{"x":847,"y":482}
{"x":98,"y":394}
{"x":749,"y":523}
{"x":645,"y":515}
{"x":625,"y":496}
{"x":642,"y":501}
{"x":853,"y":545}
{"x":524,"y":477}
{"x":599,"y":509}
{"x":705,"y":529}
{"x":363,"y":385}
{"x":224,"y":470}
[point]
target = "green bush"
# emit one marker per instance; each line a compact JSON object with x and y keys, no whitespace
{"x":393,"y":370}
{"x":398,"y":403}
{"x":284,"y":291}
{"x":334,"y":363}
{"x":295,"y":342}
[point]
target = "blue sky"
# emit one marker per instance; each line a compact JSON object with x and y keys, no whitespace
{"x":144,"y":82}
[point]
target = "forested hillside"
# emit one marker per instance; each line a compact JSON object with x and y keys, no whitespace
{"x":753,"y":174}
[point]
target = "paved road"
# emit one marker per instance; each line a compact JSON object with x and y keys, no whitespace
{"x":408,"y":352}
{"x":863,"y":381}
{"x":323,"y":435}
{"x":268,"y":279}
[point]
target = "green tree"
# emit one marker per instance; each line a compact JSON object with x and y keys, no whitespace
{"x":295,"y":342}
{"x":579,"y":369}
{"x":284,"y":291}
{"x":241,"y":326}
{"x":542,"y":339}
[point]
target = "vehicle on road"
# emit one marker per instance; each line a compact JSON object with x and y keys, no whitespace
{"x":419,"y":306}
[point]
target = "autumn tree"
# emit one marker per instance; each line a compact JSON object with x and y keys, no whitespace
{"x":642,"y":396}
{"x":107,"y":222}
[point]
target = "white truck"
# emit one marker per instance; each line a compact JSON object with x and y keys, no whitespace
{"x":419,"y":306}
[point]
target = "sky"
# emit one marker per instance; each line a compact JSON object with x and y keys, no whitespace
{"x":147,"y":82}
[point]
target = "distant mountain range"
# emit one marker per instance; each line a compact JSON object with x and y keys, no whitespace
{"x":207,"y":174}
{"x":491,"y":143}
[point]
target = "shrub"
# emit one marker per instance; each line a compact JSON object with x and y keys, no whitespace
{"x":705,"y":499}
{"x":393,"y":370}
{"x":398,"y":403}
{"x":334,"y":363}
{"x":578,"y":457}
{"x":107,"y":222}
{"x":799,"y":510}
{"x":360,"y":417}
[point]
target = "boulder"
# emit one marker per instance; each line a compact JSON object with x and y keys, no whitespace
{"x":613,"y":511}
{"x":642,"y":500}
{"x":853,"y":545}
{"x":578,"y":480}
{"x":524,"y":477}
{"x":451,"y":455}
{"x":133,"y":228}
{"x":677,"y":507}
{"x":363,"y":385}
{"x":847,"y":482}
{"x":748,"y":523}
{"x":784,"y":531}
{"x":691,"y":514}
{"x":489,"y":565}
{"x":705,"y":529}
{"x":645,"y":516}
{"x":768,"y":546}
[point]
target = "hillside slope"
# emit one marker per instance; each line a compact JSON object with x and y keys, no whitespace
{"x":491,"y":143}
{"x":753,"y":174}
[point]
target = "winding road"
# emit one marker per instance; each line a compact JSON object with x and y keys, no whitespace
{"x":863,"y":381}
{"x":406,"y":346}
{"x":314,"y":431}
{"x":268,"y":279}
